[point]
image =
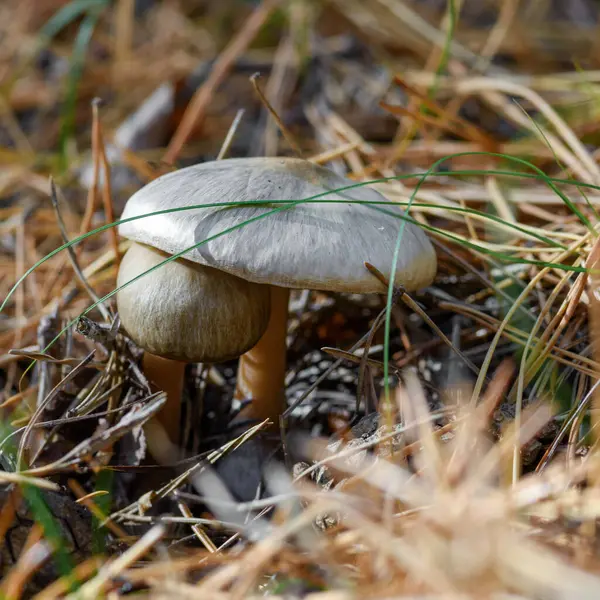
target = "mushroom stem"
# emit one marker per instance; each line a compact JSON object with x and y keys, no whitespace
{"x":261,"y":370}
{"x":167,"y":375}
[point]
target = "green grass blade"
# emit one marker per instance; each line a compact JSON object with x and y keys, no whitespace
{"x":66,"y":15}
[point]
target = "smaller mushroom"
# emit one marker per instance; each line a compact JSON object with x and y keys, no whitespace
{"x":185,"y":312}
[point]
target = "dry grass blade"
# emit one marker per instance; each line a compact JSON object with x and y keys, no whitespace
{"x":105,"y":437}
{"x":280,"y":124}
{"x":61,"y":586}
{"x":94,"y":587}
{"x":107,"y":199}
{"x":146,"y":501}
{"x":88,"y":502}
{"x":44,"y":484}
{"x":453,"y":523}
{"x":230,"y":134}
{"x":29,"y":562}
{"x":454,"y":123}
{"x":23,"y":444}
{"x":195,"y":112}
{"x":402,"y":295}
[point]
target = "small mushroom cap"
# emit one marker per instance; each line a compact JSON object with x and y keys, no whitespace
{"x":189,"y":312}
{"x":310,"y":246}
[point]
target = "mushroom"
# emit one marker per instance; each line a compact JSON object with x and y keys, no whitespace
{"x":186,"y":312}
{"x":312,"y":245}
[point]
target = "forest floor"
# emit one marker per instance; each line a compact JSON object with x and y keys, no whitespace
{"x":436,"y":444}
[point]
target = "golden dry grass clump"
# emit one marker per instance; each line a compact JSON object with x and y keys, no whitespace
{"x":416,"y":511}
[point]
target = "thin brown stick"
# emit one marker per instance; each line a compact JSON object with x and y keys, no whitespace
{"x":284,"y":130}
{"x":84,"y":498}
{"x":196,"y":528}
{"x":472,"y":130}
{"x":73,"y":255}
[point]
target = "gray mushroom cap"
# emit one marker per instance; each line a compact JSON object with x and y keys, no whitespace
{"x":314,"y":245}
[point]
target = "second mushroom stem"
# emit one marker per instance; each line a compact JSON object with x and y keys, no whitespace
{"x":261,"y":370}
{"x":168,"y":376}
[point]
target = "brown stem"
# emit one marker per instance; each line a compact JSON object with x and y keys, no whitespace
{"x":167,"y":375}
{"x":261,"y":371}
